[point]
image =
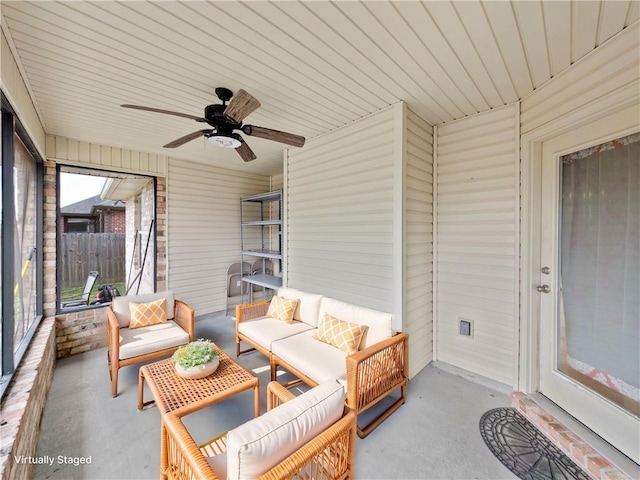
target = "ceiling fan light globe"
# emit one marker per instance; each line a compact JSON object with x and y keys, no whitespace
{"x":224,"y":141}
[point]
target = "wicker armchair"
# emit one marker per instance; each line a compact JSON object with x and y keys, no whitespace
{"x":124,"y":347}
{"x":329,"y":455}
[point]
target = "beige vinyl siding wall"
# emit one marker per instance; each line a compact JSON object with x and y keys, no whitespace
{"x":609,"y":73}
{"x":477,"y":230}
{"x":359,"y":220}
{"x":203,"y":228}
{"x":418,"y":248}
{"x":340,"y":213}
{"x":15,"y":89}
{"x":277,"y":181}
{"x":93,"y":155}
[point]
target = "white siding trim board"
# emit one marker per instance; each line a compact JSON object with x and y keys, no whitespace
{"x":435,"y":227}
{"x":74,"y":152}
{"x":399,"y":222}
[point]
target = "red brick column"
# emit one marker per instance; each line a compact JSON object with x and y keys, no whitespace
{"x":50,"y":238}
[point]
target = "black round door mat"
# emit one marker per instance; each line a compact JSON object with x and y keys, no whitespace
{"x":523,"y":449}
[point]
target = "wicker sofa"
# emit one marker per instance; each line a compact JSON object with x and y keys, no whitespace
{"x":370,"y":374}
{"x":309,"y":436}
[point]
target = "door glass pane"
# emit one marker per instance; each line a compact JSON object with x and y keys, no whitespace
{"x":24,"y":179}
{"x":599,"y":295}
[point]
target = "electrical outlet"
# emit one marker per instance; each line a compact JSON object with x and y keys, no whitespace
{"x":465,"y":327}
{"x":238,"y":283}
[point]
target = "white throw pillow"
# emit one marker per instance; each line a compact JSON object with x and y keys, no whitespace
{"x":260,"y":444}
{"x":308,"y":309}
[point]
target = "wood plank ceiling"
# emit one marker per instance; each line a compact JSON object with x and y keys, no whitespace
{"x":315,"y":66}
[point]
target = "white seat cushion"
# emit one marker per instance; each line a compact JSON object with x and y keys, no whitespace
{"x":266,"y":330}
{"x":308,"y":305}
{"x":379,"y":323}
{"x":120,"y":305}
{"x":218,"y":464}
{"x":315,"y":359}
{"x":139,"y":341}
{"x":258,"y":445}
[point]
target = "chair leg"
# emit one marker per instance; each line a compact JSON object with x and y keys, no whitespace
{"x":113,"y":373}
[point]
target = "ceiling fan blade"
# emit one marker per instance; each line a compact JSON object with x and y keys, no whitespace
{"x":241,"y":105}
{"x":168,"y":112}
{"x":187,"y":138}
{"x":245,"y":152}
{"x":275,"y":135}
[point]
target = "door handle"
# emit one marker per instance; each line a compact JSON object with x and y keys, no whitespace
{"x":543,"y":288}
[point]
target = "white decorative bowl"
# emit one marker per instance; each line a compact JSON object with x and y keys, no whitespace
{"x":199,"y":371}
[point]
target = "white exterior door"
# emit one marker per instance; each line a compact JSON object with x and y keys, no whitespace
{"x":588,"y":309}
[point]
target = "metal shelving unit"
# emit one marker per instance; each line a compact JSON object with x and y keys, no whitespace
{"x":261,"y":237}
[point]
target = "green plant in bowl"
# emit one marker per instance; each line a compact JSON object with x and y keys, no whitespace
{"x":194,"y":354}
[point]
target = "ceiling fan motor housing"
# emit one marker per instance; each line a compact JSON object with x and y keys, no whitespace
{"x":214,"y":114}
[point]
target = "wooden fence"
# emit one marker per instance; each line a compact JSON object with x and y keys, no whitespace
{"x":81,"y":253}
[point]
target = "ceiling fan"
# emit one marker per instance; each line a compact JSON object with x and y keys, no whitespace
{"x":225,"y":119}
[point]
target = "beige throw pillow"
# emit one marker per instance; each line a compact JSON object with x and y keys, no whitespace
{"x":282,"y":308}
{"x":344,"y":335}
{"x":145,"y":314}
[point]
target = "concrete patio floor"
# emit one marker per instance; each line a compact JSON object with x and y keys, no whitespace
{"x":87,"y":434}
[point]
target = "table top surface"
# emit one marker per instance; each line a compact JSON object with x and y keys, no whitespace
{"x":171,"y":391}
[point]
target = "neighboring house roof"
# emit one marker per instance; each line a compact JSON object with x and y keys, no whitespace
{"x":88,"y":206}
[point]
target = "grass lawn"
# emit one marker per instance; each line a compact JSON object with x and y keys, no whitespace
{"x":71,"y":293}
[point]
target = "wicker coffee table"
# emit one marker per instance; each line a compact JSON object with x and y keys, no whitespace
{"x":172,"y":392}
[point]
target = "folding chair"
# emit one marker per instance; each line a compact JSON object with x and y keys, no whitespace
{"x":259,"y":267}
{"x":86,"y":292}
{"x":235,"y":285}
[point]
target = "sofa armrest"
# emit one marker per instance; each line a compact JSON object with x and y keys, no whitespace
{"x":184,"y":316}
{"x":180,"y":456}
{"x":277,"y":394}
{"x":329,"y":455}
{"x":247,"y":311}
{"x":374,"y":372}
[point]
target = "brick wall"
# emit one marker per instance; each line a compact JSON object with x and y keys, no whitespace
{"x":161,"y":233}
{"x":147,"y":206}
{"x":81,"y":331}
{"x":591,"y":461}
{"x":113,"y":221}
{"x":23,"y":405}
{"x":145,"y":210}
{"x":49,"y":245}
